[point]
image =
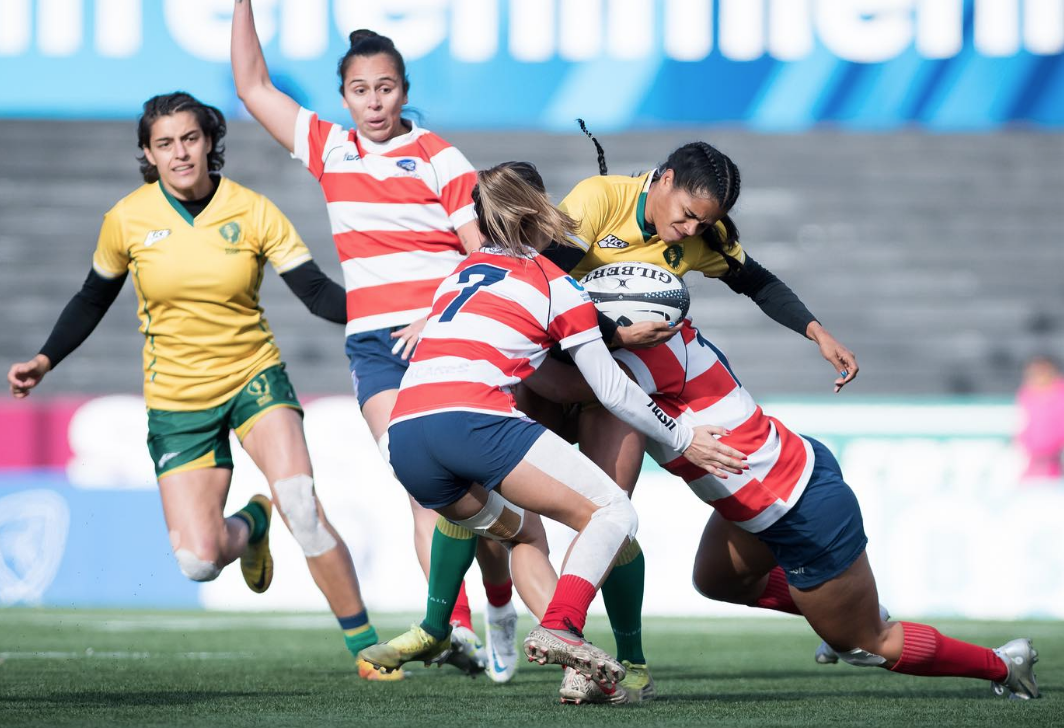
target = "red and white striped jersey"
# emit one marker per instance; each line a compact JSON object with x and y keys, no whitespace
{"x":394,"y":208}
{"x":691,"y":380}
{"x":492,"y":323}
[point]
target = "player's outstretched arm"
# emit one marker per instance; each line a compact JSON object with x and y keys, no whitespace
{"x":78,"y":319}
{"x":272,"y":108}
{"x":24,"y":376}
{"x":623,"y":397}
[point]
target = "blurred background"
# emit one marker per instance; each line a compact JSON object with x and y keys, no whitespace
{"x":903,"y":172}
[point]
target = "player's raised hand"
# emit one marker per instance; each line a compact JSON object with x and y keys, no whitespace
{"x":643,"y":334}
{"x":24,"y":376}
{"x":713,"y":456}
{"x":841,"y":358}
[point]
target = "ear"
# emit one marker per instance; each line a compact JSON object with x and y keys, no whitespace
{"x":149,"y":156}
{"x":667,"y":178}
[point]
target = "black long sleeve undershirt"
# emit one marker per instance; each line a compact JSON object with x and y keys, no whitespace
{"x":81,"y":315}
{"x":321,"y":295}
{"x":772,"y":295}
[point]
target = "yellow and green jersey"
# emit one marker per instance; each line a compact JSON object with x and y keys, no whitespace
{"x":197,"y":282}
{"x":609,"y":211}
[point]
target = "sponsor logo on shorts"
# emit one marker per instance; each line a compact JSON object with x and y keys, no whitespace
{"x":260,"y":389}
{"x":799,"y":570}
{"x":612,"y":241}
{"x":167,"y":457}
{"x":155,"y":236}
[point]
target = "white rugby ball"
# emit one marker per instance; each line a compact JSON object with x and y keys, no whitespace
{"x":633,"y":292}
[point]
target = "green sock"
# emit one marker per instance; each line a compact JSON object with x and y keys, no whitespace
{"x":254,"y":515}
{"x":358,"y":640}
{"x":453,"y":551}
{"x":623,"y":594}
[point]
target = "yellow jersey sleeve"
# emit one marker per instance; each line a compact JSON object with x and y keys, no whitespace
{"x":589,"y":205}
{"x":712,"y":264}
{"x":279,"y":241}
{"x":111,"y":258}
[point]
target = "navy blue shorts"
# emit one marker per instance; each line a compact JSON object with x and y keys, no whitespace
{"x":374,"y":368}
{"x":437,"y":457}
{"x":823,"y":534}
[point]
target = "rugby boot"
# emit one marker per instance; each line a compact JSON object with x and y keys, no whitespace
{"x":256,"y":563}
{"x":1020,"y":684}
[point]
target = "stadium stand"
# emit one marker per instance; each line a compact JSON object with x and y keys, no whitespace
{"x":937,"y":258}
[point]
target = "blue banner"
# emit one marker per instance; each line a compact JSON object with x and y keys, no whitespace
{"x":777,"y":65}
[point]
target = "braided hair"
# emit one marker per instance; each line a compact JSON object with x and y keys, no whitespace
{"x":703,"y":170}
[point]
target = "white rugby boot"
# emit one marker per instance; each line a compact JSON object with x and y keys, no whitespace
{"x":824,"y":655}
{"x":500,"y":631}
{"x":1020,"y":684}
{"x":568,"y":647}
{"x":578,"y":689}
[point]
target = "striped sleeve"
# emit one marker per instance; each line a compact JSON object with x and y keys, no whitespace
{"x":111,"y":258}
{"x":313,"y":136}
{"x":278,"y":240}
{"x":456,"y":178}
{"x":573,"y":318}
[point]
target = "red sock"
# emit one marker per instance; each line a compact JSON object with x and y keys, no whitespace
{"x":777,"y":595}
{"x":926,"y":651}
{"x":499,"y":595}
{"x":571,"y":599}
{"x":461,"y":615}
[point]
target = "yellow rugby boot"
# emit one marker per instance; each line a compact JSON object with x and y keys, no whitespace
{"x":414,"y":644}
{"x":636,"y":686}
{"x":368,"y":671}
{"x":256,"y":563}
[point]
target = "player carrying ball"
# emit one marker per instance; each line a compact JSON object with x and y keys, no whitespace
{"x":461,"y":447}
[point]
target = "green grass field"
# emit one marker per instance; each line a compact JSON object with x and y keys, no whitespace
{"x":90,"y":667}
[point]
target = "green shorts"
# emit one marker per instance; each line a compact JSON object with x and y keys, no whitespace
{"x":180,"y":441}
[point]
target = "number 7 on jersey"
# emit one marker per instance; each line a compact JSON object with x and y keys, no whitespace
{"x":490,"y":274}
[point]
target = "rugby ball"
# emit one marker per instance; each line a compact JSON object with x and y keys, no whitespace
{"x":633,"y":292}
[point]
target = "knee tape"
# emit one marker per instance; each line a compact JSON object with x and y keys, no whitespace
{"x":382,"y":445}
{"x":195,"y":568}
{"x":620,"y":512}
{"x":295,"y":496}
{"x":861,"y":658}
{"x":499,"y":519}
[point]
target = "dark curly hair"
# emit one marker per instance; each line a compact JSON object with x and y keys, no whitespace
{"x":366,"y":43}
{"x":210,"y":119}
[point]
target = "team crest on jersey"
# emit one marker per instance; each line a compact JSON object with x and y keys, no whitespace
{"x":155,"y":236}
{"x":673,"y":256}
{"x":612,"y":241}
{"x":230,"y":232}
{"x":408,"y":167}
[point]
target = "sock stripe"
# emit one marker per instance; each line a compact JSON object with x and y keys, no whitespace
{"x":628,"y":554}
{"x":355,"y":621}
{"x":453,"y":530}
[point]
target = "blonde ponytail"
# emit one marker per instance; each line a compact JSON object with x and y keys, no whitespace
{"x":514,"y":212}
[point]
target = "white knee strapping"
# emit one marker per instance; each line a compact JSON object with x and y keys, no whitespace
{"x":499,"y":519}
{"x":195,"y":568}
{"x":382,"y":445}
{"x":295,"y":496}
{"x":861,"y":658}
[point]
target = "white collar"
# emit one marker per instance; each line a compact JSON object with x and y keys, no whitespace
{"x":373,"y":147}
